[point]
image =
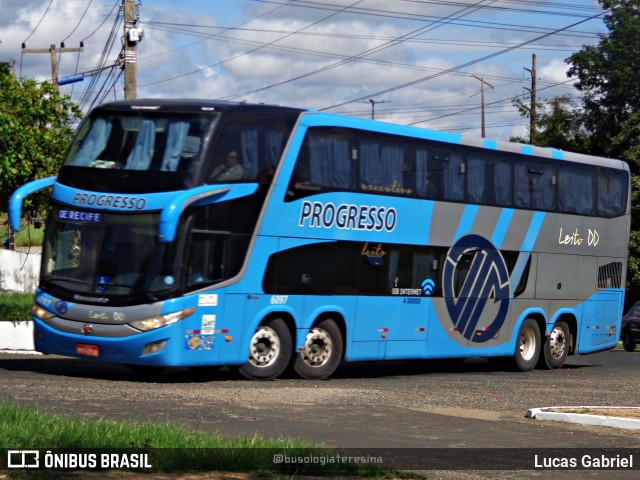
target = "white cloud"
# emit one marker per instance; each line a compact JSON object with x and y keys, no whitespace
{"x":176,"y":60}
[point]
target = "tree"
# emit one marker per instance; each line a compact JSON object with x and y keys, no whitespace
{"x":560,"y":125}
{"x":36,"y":127}
{"x":607,"y":77}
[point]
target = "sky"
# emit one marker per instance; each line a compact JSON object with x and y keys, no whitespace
{"x":419,"y":62}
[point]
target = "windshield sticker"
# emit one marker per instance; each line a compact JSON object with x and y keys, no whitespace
{"x":208,"y":300}
{"x":102,"y":283}
{"x":347,"y":217}
{"x":208,"y":324}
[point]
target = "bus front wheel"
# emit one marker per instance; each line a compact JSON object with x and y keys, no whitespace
{"x":527,"y":346}
{"x":556,"y":347}
{"x":322,"y":352}
{"x":269,"y":351}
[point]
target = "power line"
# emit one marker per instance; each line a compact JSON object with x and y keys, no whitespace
{"x":255,"y":49}
{"x":367,"y":53}
{"x":464,"y":65}
{"x":79,"y":22}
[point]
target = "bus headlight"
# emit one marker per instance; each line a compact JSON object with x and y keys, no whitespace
{"x":161,"y":320}
{"x":42,"y":313}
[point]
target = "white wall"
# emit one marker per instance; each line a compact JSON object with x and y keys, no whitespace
{"x":19,"y":271}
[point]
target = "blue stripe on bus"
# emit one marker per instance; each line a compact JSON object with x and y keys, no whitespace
{"x":557,"y":154}
{"x":534,"y":229}
{"x":466,"y":222}
{"x":502,"y":226}
{"x":491,"y":144}
{"x":527,"y":149}
{"x":525,"y":251}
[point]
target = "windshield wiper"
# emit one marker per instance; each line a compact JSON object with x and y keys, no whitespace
{"x":52,"y":279}
{"x":134,"y":288}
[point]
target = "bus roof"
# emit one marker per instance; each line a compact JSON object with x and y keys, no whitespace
{"x":316,"y":118}
{"x":183,"y":104}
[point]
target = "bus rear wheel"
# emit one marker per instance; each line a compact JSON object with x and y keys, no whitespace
{"x":556,"y":347}
{"x":527,"y":346}
{"x":322,"y":352}
{"x":269,"y":351}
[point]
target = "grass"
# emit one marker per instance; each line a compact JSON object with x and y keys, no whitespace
{"x":15,"y":307}
{"x":28,"y":235}
{"x":169,"y":447}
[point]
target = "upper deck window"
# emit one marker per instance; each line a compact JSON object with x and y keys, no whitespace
{"x":247,"y":148}
{"x":139,"y":141}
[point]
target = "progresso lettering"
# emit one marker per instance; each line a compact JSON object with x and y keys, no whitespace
{"x":348,"y":217}
{"x":109,"y":201}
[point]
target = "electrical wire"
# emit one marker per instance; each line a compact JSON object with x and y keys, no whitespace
{"x":24,"y":42}
{"x":253,"y":50}
{"x":368,"y":52}
{"x":79,"y":22}
{"x":464,"y":65}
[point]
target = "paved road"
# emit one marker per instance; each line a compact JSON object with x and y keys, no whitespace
{"x":365,"y":405}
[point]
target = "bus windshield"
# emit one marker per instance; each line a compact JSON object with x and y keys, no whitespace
{"x":148,"y":150}
{"x":135,"y":140}
{"x":97,"y":253}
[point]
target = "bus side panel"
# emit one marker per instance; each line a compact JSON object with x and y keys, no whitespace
{"x":566,"y":277}
{"x":600,"y":325}
{"x":402,"y":323}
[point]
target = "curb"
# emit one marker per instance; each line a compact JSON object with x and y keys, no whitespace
{"x":16,"y":337}
{"x":547,"y":413}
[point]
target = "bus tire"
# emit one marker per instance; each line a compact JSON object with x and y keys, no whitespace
{"x":527,"y":346}
{"x":556,"y":347}
{"x":269,"y":351}
{"x":322,"y":352}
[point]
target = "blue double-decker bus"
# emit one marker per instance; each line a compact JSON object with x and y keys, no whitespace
{"x":197,"y":233}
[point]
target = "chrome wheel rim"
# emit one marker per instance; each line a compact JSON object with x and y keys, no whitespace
{"x":317,"y":348}
{"x":265,"y":347}
{"x":527,"y":344}
{"x":557,"y":342}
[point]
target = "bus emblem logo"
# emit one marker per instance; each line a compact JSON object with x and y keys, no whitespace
{"x":476,"y":285}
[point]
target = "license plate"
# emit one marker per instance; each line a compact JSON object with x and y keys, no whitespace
{"x":88,"y":350}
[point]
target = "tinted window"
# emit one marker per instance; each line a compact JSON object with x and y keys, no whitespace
{"x":348,"y":159}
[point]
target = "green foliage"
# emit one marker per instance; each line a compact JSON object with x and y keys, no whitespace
{"x":30,"y":235}
{"x":36,"y":127}
{"x":560,"y":124}
{"x":607,"y":76}
{"x":15,"y":307}
{"x":170,"y":447}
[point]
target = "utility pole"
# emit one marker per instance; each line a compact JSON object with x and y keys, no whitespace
{"x":482,"y":84}
{"x":533,"y":93}
{"x":132,"y":35}
{"x":54,"y":59}
{"x":373,"y":107}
